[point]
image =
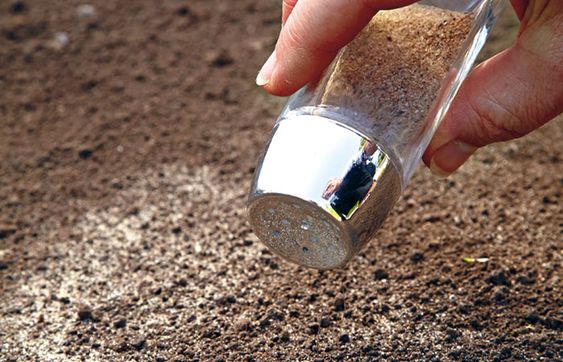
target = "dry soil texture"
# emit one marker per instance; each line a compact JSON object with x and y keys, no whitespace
{"x":128,"y":139}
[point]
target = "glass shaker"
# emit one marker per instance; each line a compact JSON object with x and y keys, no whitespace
{"x":344,"y":148}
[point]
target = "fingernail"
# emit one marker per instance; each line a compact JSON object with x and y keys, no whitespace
{"x":265,"y":73}
{"x":450,"y":157}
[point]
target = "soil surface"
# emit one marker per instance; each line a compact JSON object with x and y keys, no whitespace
{"x":129,"y":136}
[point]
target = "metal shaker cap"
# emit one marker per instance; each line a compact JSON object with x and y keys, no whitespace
{"x":320,"y":191}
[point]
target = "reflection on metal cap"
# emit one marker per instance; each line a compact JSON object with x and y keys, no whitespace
{"x":320,"y":192}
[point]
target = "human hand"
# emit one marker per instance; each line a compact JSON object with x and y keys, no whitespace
{"x":505,"y":97}
{"x":331,"y":188}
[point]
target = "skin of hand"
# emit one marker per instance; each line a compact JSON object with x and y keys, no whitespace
{"x":331,"y":188}
{"x":505,"y":97}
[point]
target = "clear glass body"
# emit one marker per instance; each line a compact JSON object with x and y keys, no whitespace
{"x":395,"y":82}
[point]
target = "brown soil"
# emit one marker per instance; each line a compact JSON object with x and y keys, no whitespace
{"x":124,"y":167}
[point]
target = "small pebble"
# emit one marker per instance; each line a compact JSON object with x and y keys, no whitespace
{"x":506,"y":352}
{"x":230,"y":299}
{"x":120,"y":345}
{"x":18,"y":7}
{"x":182,"y":282}
{"x":499,"y":279}
{"x":276,"y":315}
{"x":294,"y":314}
{"x":417,"y":257}
{"x":325,"y":323}
{"x":451,"y":335}
{"x":546,"y":200}
{"x":533,"y":318}
{"x":380,"y":274}
{"x":524,"y":280}
{"x":475,"y":325}
{"x":138,"y":343}
{"x":85,"y":314}
{"x":339,"y":305}
{"x":219,"y":58}
{"x":344,"y":339}
{"x":313,"y":329}
{"x":86,"y":11}
{"x":61,"y":40}
{"x":285,"y":337}
{"x":120,"y":323}
{"x":183,"y":10}
{"x":500,"y":295}
{"x":85,"y":154}
{"x":6,"y":230}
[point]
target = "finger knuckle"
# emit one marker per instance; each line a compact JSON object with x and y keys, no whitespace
{"x":496,"y":122}
{"x":292,"y":37}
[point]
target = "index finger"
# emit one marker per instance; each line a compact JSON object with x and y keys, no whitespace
{"x":287,"y":8}
{"x":312,"y":36}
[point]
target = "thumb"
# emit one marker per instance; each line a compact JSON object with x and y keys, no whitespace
{"x":504,"y":98}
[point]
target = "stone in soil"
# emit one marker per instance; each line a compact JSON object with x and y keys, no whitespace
{"x":380,"y":274}
{"x":417,"y":257}
{"x":499,"y":278}
{"x":85,"y":153}
{"x":339,"y":305}
{"x":86,"y":11}
{"x":18,"y":7}
{"x":6,"y":230}
{"x":138,"y":343}
{"x":285,"y":337}
{"x":313,"y":329}
{"x":452,"y":335}
{"x":85,"y":314}
{"x":120,"y":323}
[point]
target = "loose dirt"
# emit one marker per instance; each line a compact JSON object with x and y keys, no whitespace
{"x":129,"y":138}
